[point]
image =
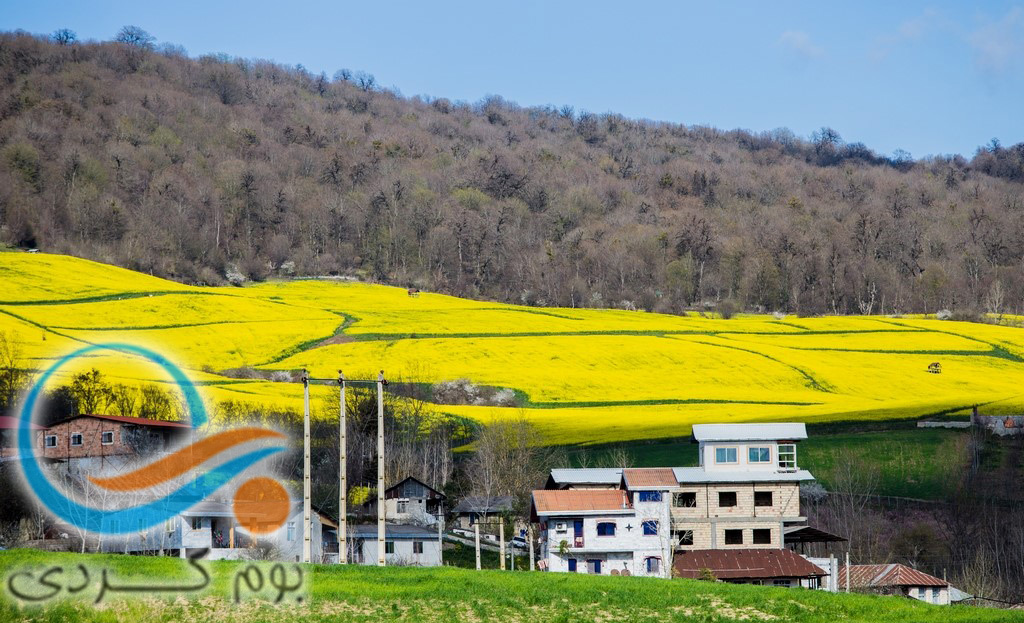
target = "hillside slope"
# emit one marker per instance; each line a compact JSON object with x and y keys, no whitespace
{"x":207,"y":169}
{"x":359,"y":593}
{"x":583,"y":376}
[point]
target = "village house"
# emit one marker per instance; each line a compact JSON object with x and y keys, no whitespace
{"x":482,"y":510}
{"x":744,"y":495}
{"x":409,"y":501}
{"x":90,"y":442}
{"x":896,"y":579}
{"x":9,"y":436}
{"x":404,"y":545}
{"x":211,"y":524}
{"x":749,"y":566}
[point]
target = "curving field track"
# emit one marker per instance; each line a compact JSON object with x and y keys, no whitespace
{"x":584,"y":376}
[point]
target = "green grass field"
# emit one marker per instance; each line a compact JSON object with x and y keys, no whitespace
{"x":448,"y":594}
{"x":583,"y":376}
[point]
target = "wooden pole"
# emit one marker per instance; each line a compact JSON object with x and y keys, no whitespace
{"x":529,"y":537}
{"x":501,"y":541}
{"x":847,"y":571}
{"x":380,"y":470}
{"x":343,"y":469}
{"x":307,"y":512}
{"x":476,"y":537}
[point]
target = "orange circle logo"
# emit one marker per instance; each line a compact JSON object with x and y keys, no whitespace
{"x":261,"y":505}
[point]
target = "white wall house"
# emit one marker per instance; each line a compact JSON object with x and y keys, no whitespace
{"x":404,"y":545}
{"x":743,"y":495}
{"x":211,"y":525}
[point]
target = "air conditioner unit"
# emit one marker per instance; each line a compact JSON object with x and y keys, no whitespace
{"x":560,"y":526}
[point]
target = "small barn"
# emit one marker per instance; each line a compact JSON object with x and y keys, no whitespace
{"x":895,"y":579}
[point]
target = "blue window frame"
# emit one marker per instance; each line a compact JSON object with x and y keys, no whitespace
{"x":650,"y":528}
{"x":653,"y":564}
{"x":572,"y":564}
{"x":759,"y":454}
{"x":725,"y":455}
{"x":606,"y":528}
{"x":648,"y":496}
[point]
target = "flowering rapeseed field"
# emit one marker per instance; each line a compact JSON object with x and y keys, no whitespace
{"x":583,"y":375}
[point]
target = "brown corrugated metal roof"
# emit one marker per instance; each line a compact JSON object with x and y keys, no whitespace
{"x":141,"y":421}
{"x":547,"y":501}
{"x":650,"y":477}
{"x":894,"y":574}
{"x":738,"y":564}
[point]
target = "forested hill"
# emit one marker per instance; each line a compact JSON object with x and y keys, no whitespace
{"x":214,"y":169}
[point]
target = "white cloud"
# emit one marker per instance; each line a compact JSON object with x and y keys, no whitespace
{"x":999,"y":45}
{"x":914,"y":29}
{"x":800,"y":42}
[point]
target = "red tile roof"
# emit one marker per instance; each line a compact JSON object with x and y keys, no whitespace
{"x":141,"y":421}
{"x":894,"y":574}
{"x":739,"y":564}
{"x":546,"y":501}
{"x":650,"y":477}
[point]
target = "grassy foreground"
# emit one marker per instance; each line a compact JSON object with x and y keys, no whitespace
{"x":581,"y":375}
{"x":455,"y":595}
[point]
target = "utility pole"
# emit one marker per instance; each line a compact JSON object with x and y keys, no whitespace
{"x":501,"y":540}
{"x":476,"y":537}
{"x":529,"y":537}
{"x":307,"y":528}
{"x":380,"y":469}
{"x":343,"y":469}
{"x":848,"y":571}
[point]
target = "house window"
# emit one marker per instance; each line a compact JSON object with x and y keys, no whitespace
{"x":725,"y":455}
{"x":417,"y":547}
{"x":594,"y":566}
{"x":653,"y":564}
{"x":169,"y":525}
{"x":762,"y":498}
{"x":686,"y":537}
{"x":389,"y":547}
{"x":197,"y":524}
{"x":759,"y":454}
{"x":606,"y":528}
{"x":51,"y":441}
{"x":649,"y":496}
{"x":726,"y":498}
{"x":107,"y":437}
{"x":650,"y":528}
{"x":290,"y":534}
{"x":572,"y":564}
{"x":787,"y":455}
{"x":734,"y":537}
{"x":784,"y":583}
{"x":76,"y":439}
{"x":686,"y":499}
{"x":403,"y":506}
{"x":762,"y":536}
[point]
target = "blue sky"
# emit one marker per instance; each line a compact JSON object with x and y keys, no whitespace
{"x":930,"y":78}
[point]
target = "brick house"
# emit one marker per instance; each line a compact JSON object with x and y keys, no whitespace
{"x":9,"y":436}
{"x":88,"y":441}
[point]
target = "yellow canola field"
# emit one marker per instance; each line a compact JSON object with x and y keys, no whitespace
{"x":26,"y":277}
{"x":589,"y":375}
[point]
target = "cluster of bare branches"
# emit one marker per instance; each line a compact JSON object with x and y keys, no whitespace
{"x":303,"y":174}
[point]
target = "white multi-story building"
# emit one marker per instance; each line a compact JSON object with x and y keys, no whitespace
{"x":743,"y":495}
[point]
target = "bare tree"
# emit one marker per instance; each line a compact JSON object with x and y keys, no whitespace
{"x":64,"y":36}
{"x":13,"y":375}
{"x":135,"y":36}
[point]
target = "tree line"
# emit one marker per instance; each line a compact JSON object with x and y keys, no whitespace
{"x":220,"y":170}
